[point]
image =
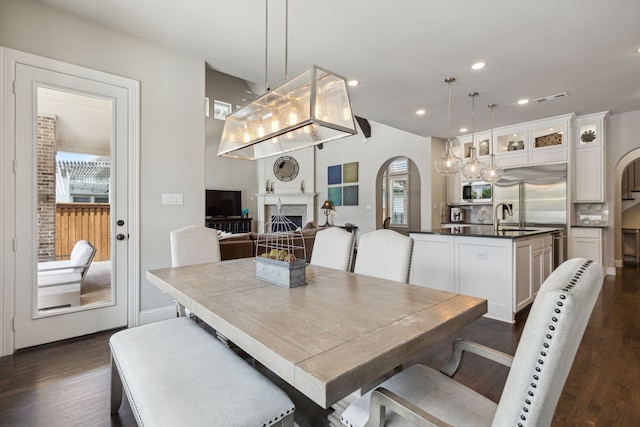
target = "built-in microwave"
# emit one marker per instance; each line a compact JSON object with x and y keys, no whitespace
{"x":477,"y":192}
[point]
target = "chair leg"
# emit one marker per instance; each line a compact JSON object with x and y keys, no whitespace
{"x":116,"y":388}
{"x":179,"y":309}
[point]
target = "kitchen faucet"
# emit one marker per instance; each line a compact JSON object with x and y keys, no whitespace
{"x":496,"y":218}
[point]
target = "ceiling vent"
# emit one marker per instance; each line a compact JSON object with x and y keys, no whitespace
{"x":552,"y":97}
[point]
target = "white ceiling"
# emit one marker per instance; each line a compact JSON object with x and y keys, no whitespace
{"x":403,"y":50}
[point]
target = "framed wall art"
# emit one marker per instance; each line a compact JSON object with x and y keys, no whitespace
{"x":335,"y":196}
{"x":350,"y":195}
{"x":334,"y":175}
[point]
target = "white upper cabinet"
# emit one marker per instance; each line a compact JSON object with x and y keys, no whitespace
{"x":531,"y":143}
{"x":588,"y":158}
{"x":510,"y":147}
{"x":549,"y":140}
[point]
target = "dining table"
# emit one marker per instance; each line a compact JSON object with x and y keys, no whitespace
{"x":328,"y":338}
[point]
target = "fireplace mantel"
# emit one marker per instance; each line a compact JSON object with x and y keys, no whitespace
{"x":267,"y":199}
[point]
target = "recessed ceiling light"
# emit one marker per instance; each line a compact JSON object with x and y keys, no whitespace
{"x":353,"y":83}
{"x":421,"y":112}
{"x":463,"y":129}
{"x":523,"y":102}
{"x":638,"y":50}
{"x":479,"y":65}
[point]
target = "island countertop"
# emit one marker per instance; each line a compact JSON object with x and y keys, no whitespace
{"x":487,"y":231}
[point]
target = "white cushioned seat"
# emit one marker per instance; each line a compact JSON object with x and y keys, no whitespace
{"x":424,"y":387}
{"x":175,"y":373}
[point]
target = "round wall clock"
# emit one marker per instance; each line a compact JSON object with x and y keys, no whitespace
{"x":286,"y":168}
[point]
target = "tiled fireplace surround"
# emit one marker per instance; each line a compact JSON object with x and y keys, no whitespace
{"x":301,"y":204}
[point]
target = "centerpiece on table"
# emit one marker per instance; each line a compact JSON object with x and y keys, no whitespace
{"x":280,"y":252}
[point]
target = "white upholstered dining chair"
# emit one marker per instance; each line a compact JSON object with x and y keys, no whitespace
{"x":421,"y":396}
{"x":194,"y":245}
{"x":385,"y":254}
{"x":333,"y":248}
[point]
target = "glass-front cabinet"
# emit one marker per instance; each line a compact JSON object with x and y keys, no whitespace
{"x":531,"y":143}
{"x":483,"y":144}
{"x":549,"y":139}
{"x":510,"y":146}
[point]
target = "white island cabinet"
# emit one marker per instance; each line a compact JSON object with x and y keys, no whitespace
{"x":505,"y":270}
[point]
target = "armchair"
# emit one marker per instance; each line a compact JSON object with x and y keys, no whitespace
{"x":60,"y":282}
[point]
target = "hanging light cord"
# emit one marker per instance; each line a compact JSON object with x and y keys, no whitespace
{"x":449,"y":80}
{"x":473,"y":116}
{"x":266,"y":45}
{"x":491,"y":106}
{"x":286,"y":41}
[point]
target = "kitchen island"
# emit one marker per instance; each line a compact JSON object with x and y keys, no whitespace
{"x":505,"y":267}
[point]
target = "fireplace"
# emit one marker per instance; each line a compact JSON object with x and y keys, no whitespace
{"x":300,"y":205}
{"x":296,"y":220}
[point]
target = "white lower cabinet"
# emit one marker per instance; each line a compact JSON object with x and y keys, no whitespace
{"x":586,"y":243}
{"x":432,"y":261}
{"x":506,"y":272}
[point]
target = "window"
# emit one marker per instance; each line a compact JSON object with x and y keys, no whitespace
{"x":395,"y":192}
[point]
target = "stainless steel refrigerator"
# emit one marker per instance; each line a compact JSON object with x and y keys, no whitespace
{"x":538,"y":195}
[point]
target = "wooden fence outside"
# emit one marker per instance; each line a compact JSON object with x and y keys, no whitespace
{"x":84,"y":221}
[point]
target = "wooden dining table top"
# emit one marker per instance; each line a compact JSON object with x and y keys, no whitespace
{"x":327,"y":338}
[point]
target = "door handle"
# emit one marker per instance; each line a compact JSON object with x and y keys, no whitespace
{"x":120,"y":236}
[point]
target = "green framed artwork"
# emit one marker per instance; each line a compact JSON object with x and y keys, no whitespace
{"x":350,"y":172}
{"x":335,"y":196}
{"x":350,"y":195}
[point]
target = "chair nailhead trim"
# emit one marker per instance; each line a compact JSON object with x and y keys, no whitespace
{"x":547,"y":344}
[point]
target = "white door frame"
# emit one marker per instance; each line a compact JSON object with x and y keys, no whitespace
{"x":8,"y":60}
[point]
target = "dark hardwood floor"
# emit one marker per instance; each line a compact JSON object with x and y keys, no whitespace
{"x":67,"y":383}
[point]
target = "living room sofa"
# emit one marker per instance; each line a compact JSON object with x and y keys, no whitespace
{"x":244,"y":245}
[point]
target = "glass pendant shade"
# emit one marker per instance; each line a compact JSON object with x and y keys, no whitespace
{"x":473,"y":168}
{"x":448,"y":163}
{"x":493,"y":172}
{"x":310,"y":108}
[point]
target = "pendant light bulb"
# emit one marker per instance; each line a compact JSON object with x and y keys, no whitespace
{"x":474,"y":168}
{"x":448,"y":163}
{"x":493,"y":172}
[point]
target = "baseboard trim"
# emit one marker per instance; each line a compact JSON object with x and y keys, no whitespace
{"x":610,"y":271}
{"x":157,"y":314}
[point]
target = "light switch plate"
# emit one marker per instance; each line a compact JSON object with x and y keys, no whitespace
{"x":172,"y":199}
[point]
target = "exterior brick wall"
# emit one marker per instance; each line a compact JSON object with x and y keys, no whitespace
{"x":46,"y":182}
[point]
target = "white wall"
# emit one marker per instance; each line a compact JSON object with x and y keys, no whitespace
{"x":623,"y":136}
{"x":385,"y":143}
{"x":223,"y":173}
{"x":172,"y":118}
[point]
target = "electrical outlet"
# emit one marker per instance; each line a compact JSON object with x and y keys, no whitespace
{"x":481,"y":255}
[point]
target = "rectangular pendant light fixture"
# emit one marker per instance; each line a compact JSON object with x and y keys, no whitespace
{"x":308,"y":109}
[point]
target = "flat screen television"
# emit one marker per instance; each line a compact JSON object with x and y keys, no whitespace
{"x":223,"y":203}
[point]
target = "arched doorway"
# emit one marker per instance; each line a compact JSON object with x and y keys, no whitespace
{"x":625,"y":161}
{"x":398,"y":187}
